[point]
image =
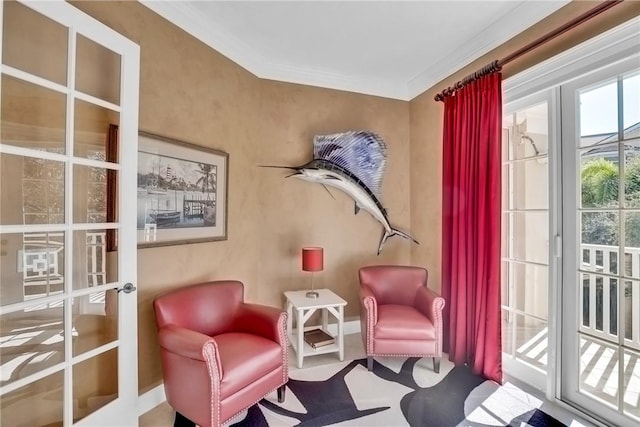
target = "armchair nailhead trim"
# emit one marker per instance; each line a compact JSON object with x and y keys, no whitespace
{"x":208,"y":351}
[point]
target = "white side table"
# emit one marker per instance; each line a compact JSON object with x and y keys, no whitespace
{"x":328,"y":302}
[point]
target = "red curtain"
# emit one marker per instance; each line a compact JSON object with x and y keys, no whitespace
{"x":471,"y":226}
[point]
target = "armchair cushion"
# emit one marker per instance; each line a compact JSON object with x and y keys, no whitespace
{"x":395,"y":321}
{"x":245,"y":357}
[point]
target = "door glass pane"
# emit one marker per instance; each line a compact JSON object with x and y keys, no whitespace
{"x":632,"y":383}
{"x":97,"y":70}
{"x":599,"y":176}
{"x":32,"y":116}
{"x":531,"y":341}
{"x":530,"y":236}
{"x":94,"y":263}
{"x":599,"y":228}
{"x":94,"y":194}
{"x":529,"y":132}
{"x":632,"y":175}
{"x":35,"y":189}
{"x":32,"y":340}
{"x":530,"y":184}
{"x":34,"y":43}
{"x":631,"y":106}
{"x":600,"y":305}
{"x":598,"y":114}
{"x":531,"y":284}
{"x":599,"y":370}
{"x":508,"y":321}
{"x":631,"y":318}
{"x":95,"y":383}
{"x":96,"y":132}
{"x":632,"y":244}
{"x":95,"y":320}
{"x":32,"y":266}
{"x":37,"y":404}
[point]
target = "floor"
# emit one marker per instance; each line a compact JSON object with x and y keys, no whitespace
{"x":163,"y":415}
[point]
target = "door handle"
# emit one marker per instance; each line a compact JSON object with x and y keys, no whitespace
{"x":127,"y":288}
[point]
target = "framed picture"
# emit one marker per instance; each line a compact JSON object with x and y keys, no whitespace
{"x":182,"y":192}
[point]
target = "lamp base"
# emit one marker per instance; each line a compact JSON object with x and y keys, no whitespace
{"x":312,"y":294}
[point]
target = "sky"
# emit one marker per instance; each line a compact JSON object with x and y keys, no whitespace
{"x":599,"y":106}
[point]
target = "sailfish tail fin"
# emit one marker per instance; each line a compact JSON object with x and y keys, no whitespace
{"x":394,"y":232}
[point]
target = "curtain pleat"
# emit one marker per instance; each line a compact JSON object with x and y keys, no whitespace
{"x":471,"y":226}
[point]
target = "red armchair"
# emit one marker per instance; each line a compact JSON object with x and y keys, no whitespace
{"x":399,"y":315}
{"x":219,"y":354}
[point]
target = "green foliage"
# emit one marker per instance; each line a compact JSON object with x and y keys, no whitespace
{"x":600,"y":184}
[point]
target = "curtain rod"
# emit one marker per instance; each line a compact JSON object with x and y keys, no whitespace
{"x":498,"y":64}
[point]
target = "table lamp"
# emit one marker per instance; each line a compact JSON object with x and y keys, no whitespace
{"x":312,"y":260}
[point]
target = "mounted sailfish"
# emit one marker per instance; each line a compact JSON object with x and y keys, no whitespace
{"x":354,"y":163}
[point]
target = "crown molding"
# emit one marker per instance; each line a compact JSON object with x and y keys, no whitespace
{"x":184,"y":16}
{"x":524,"y":15}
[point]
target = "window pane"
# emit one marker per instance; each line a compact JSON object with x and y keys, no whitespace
{"x":95,"y":320}
{"x":632,"y":245}
{"x":37,"y":404}
{"x":599,"y":114}
{"x":97,"y":70}
{"x":32,"y":116}
{"x":600,"y":305}
{"x":632,"y":383}
{"x":531,"y":284}
{"x":599,"y":176}
{"x":599,"y":370}
{"x":36,"y":189}
{"x":600,"y":228}
{"x":32,"y":266}
{"x":32,"y":340}
{"x":632,"y":175}
{"x":529,"y":184}
{"x":94,"y":263}
{"x":34,"y":43}
{"x":532,"y":344}
{"x":530,"y":236}
{"x":96,"y":132}
{"x":631,"y":106}
{"x":528,"y":136}
{"x":95,"y":381}
{"x":94,"y":194}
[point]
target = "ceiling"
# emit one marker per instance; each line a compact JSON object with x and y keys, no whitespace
{"x":395,"y":49}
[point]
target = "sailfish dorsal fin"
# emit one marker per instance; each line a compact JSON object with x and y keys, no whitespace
{"x":362,"y":153}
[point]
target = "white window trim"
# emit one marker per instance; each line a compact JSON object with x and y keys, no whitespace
{"x":612,"y":46}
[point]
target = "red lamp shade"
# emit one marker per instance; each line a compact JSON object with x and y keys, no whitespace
{"x":312,"y":259}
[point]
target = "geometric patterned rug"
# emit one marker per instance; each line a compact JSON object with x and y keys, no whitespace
{"x":398,"y":392}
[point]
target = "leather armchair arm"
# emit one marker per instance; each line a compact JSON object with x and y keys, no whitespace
{"x":370,"y":304}
{"x":262,"y":320}
{"x":430,"y":304}
{"x":184,"y":342}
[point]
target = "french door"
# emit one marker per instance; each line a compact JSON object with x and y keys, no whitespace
{"x":68,"y":147}
{"x":601,"y":223}
{"x":529,"y":265}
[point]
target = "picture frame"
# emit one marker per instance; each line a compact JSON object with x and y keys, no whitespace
{"x":182,"y":192}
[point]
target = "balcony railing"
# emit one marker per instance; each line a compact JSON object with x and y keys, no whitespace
{"x":599,"y":293}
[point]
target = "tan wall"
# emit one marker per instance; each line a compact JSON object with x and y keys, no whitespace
{"x":426,"y":118}
{"x":191,"y":93}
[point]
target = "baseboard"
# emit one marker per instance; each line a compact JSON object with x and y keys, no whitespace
{"x":154,"y":397}
{"x":149,"y":400}
{"x":350,"y":327}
